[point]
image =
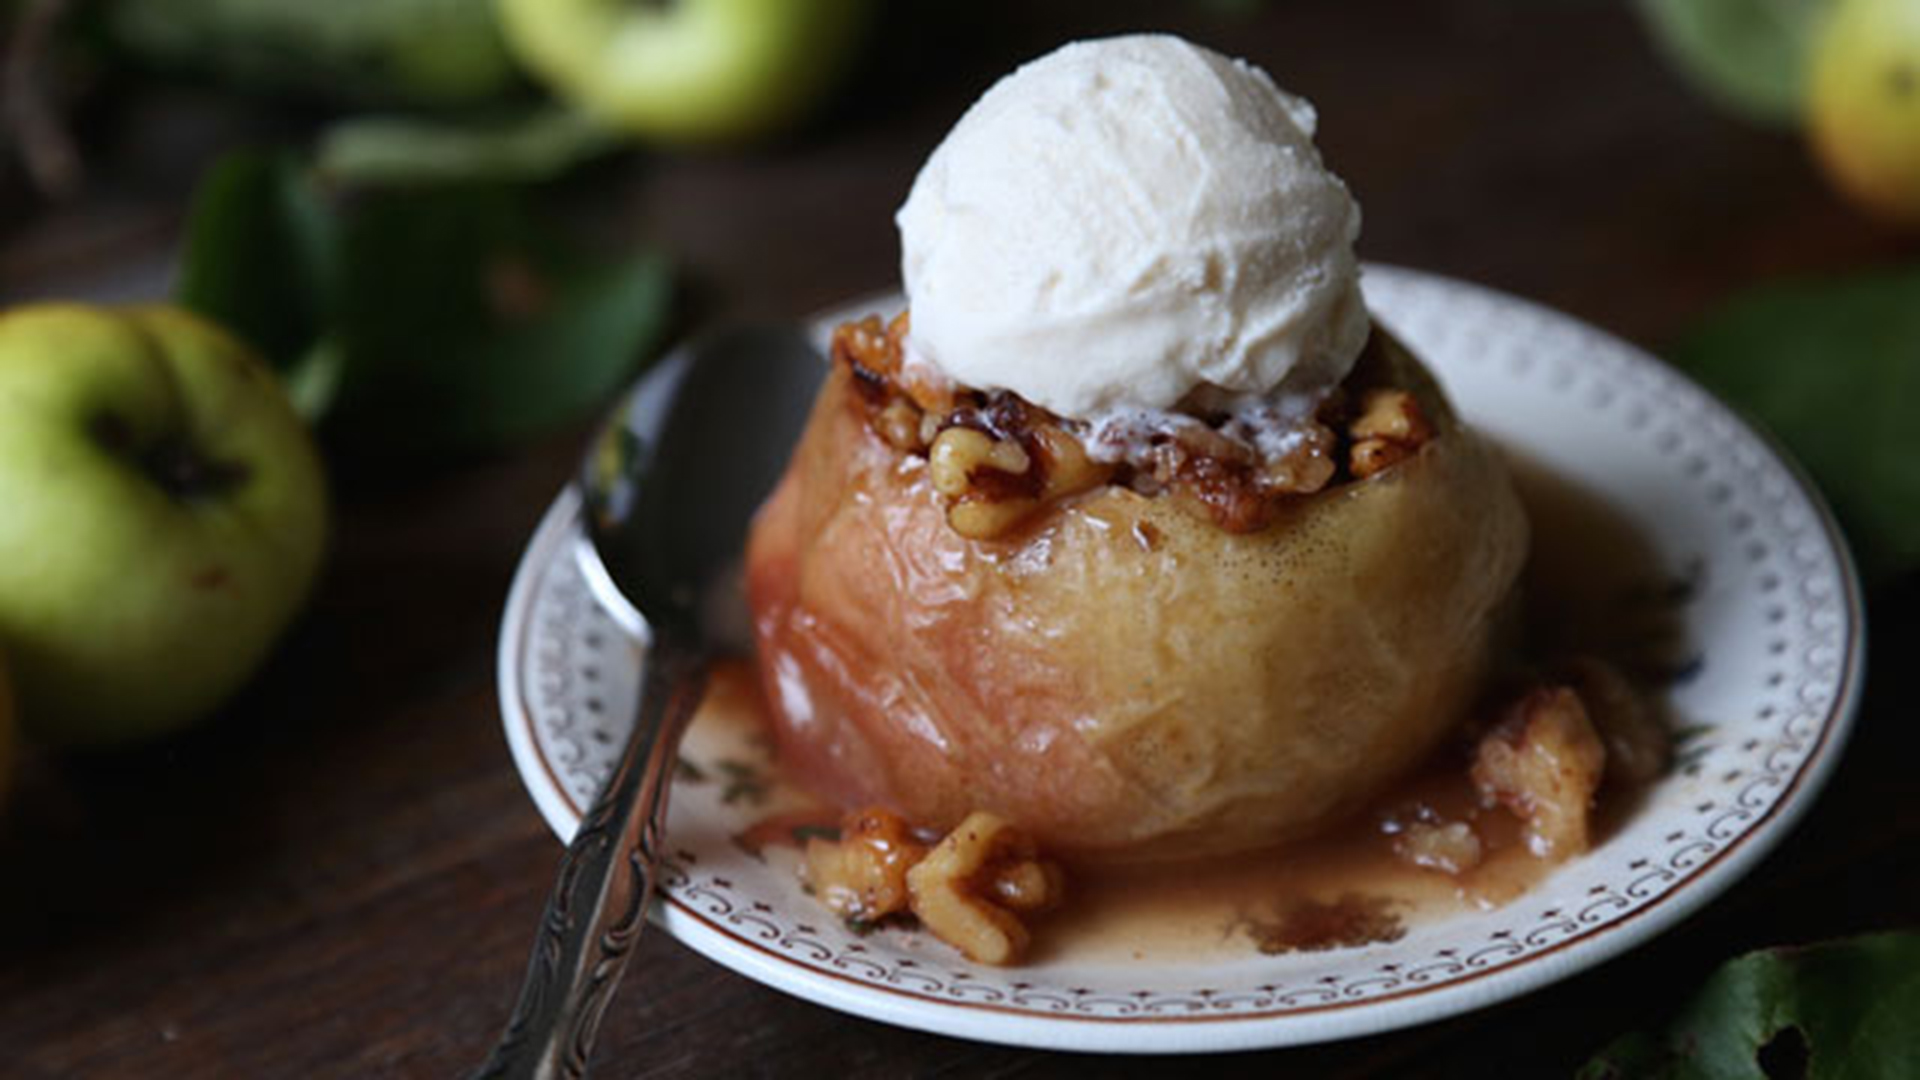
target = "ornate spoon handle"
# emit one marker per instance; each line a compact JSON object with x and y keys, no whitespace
{"x":598,"y":906}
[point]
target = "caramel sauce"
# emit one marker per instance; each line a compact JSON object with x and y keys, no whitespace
{"x":1592,"y":586}
{"x":1344,"y":888}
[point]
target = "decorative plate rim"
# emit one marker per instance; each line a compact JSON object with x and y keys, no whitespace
{"x":1419,"y":1002}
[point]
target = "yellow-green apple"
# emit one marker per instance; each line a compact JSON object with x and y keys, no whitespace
{"x":1864,"y":104}
{"x":162,"y":517}
{"x":687,"y":70}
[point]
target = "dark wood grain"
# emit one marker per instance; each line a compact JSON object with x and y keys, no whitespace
{"x":338,"y":876}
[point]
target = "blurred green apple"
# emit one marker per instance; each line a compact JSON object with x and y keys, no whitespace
{"x":164,"y":517}
{"x":1864,"y":104}
{"x":687,"y":70}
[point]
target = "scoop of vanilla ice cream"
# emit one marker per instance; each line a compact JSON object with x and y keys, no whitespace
{"x":1124,"y":221}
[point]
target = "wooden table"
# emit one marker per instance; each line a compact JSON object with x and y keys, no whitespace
{"x":338,"y":876}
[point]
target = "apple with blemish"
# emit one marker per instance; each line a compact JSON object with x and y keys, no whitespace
{"x":162,"y":517}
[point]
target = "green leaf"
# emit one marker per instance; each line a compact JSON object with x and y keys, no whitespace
{"x":1749,"y":55}
{"x":1849,"y":1007}
{"x":535,"y":144}
{"x":1833,"y":368}
{"x":258,"y":253}
{"x":426,"y":318}
{"x":464,"y":325}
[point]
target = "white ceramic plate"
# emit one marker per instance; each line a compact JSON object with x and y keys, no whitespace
{"x":1777,"y":617}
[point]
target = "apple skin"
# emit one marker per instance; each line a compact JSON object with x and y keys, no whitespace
{"x":688,"y":71}
{"x":1864,"y":105}
{"x":165,"y":516}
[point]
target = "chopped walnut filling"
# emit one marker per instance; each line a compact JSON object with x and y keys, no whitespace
{"x":1543,"y":762}
{"x":1225,"y":482}
{"x":997,"y":459}
{"x":972,"y":890}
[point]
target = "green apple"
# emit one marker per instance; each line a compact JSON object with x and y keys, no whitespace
{"x":162,"y":517}
{"x":1863,"y":108}
{"x":687,"y":70}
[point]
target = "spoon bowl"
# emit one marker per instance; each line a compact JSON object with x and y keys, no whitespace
{"x":672,"y":482}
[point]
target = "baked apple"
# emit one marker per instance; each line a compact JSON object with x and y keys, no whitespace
{"x":1137,"y":663}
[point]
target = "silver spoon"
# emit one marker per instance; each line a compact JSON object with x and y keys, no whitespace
{"x":669,"y":488}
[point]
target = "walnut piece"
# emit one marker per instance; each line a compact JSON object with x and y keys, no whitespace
{"x":900,"y":424}
{"x":1068,"y":469}
{"x":866,"y":342}
{"x":862,"y":876}
{"x":972,"y":890}
{"x":979,"y":518}
{"x":972,"y":469}
{"x":1307,"y":468}
{"x":1543,"y":762}
{"x":1451,"y":848}
{"x":960,"y":452}
{"x":1426,"y":837}
{"x":1389,"y":429}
